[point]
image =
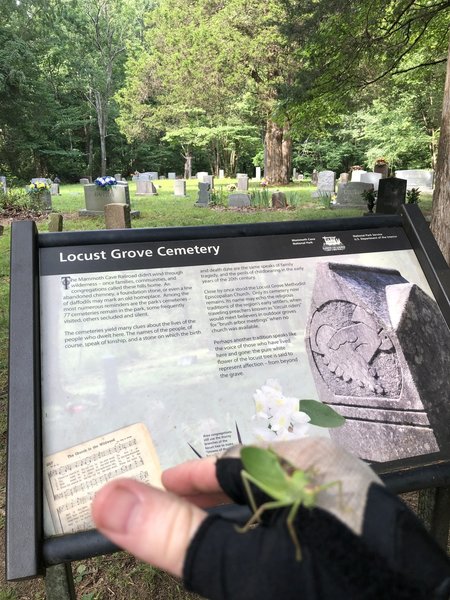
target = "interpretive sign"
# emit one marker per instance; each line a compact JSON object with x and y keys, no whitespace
{"x":154,"y":344}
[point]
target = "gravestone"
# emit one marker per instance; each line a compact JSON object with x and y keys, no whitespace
{"x":84,"y":181}
{"x":294,"y":174}
{"x":242,"y":182}
{"x":314,"y":177}
{"x":379,"y":351}
{"x":350,"y":195}
{"x":55,"y":222}
{"x":221,"y":174}
{"x":300,"y":177}
{"x":209,"y":179}
{"x":55,"y":189}
{"x":179,"y":187}
{"x":118,"y":176}
{"x":326,"y":184}
{"x":257,"y":173}
{"x":42,"y":180}
{"x":117,"y":216}
{"x":145,"y":187}
{"x":96,"y":198}
{"x":391,"y":195}
{"x":417,"y":178}
{"x":343,"y":178}
{"x":373,"y":178}
{"x":45,"y":198}
{"x":3,"y":184}
{"x":204,"y":194}
{"x":171,"y":175}
{"x":201,"y":174}
{"x":357,"y":174}
{"x":383,"y":169}
{"x":279,"y":200}
{"x":148,"y":176}
{"x":238,"y":200}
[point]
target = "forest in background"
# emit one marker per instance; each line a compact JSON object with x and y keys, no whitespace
{"x":106,"y":86}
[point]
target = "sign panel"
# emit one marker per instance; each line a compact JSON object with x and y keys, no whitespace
{"x":188,"y":339}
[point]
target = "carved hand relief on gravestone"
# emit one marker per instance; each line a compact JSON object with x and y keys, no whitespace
{"x":371,"y":341}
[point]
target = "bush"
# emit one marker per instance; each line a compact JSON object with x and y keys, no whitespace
{"x":17,"y":200}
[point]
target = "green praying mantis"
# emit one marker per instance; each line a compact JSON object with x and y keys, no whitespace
{"x":282,"y":481}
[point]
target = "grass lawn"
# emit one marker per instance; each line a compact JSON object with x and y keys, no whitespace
{"x":120,"y":576}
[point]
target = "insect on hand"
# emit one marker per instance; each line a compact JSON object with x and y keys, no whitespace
{"x":282,"y":481}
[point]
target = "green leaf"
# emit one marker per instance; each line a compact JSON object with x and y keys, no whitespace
{"x":321,"y":414}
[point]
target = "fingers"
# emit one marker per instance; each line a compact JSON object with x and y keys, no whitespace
{"x":155,"y":526}
{"x":196,"y":481}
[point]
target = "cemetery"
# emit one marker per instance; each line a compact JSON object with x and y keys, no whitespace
{"x":217,"y":232}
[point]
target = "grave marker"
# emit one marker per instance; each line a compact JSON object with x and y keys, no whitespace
{"x":417,"y":178}
{"x":238,"y":200}
{"x":326,"y":184}
{"x":117,"y":216}
{"x":350,"y":195}
{"x":145,"y":187}
{"x":171,"y":175}
{"x":242,"y":182}
{"x":391,"y":195}
{"x":356,"y":175}
{"x":204,"y":194}
{"x":373,"y":178}
{"x":3,"y":187}
{"x":179,"y":187}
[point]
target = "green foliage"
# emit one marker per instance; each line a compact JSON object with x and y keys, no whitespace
{"x":260,"y":198}
{"x":321,"y":414}
{"x":413,"y":196}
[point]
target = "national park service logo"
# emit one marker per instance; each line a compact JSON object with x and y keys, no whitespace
{"x":331,"y":243}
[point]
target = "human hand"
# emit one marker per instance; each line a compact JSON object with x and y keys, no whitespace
{"x":365,"y":544}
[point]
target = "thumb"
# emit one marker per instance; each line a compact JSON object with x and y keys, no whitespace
{"x":154,"y":525}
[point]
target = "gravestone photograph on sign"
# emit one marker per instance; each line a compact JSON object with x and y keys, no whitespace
{"x":153,"y":345}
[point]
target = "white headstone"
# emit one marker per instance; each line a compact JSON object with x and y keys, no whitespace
{"x":179,"y":187}
{"x":356,"y":174}
{"x":171,"y":175}
{"x":417,"y":178}
{"x":326,"y":183}
{"x":221,"y":174}
{"x":242,"y":182}
{"x":145,"y":187}
{"x":373,"y":178}
{"x":201,"y":174}
{"x":257,"y":173}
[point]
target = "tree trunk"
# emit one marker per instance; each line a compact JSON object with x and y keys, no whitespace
{"x":187,"y":165}
{"x":277,"y":154}
{"x":440,"y":216}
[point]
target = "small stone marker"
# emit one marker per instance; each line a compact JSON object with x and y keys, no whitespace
{"x":118,"y":176}
{"x":55,"y":222}
{"x":55,"y":189}
{"x":148,"y":176}
{"x":279,"y":200}
{"x":417,"y":178}
{"x":350,"y":195}
{"x":3,"y":184}
{"x":380,"y":329}
{"x":257,"y":173}
{"x":204,"y":194}
{"x":356,"y":175}
{"x":209,"y":179}
{"x":84,"y":181}
{"x":326,"y":184}
{"x":221,"y":174}
{"x":201,"y":174}
{"x":238,"y":200}
{"x":242,"y":182}
{"x":171,"y":175}
{"x":314,"y":177}
{"x":145,"y":187}
{"x":343,"y":178}
{"x":179,"y":188}
{"x":391,"y":195}
{"x":117,"y":216}
{"x":373,"y":178}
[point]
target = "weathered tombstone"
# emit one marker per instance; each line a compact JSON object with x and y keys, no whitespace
{"x":279,"y":200}
{"x":357,"y":174}
{"x":96,"y":198}
{"x":171,"y":175}
{"x":242,"y":182}
{"x":343,"y":178}
{"x":300,"y":177}
{"x":204,"y":194}
{"x":326,"y":184}
{"x":201,"y":174}
{"x":209,"y":179}
{"x":373,"y":178}
{"x":148,"y":176}
{"x":382,"y":168}
{"x":118,"y":176}
{"x":369,"y":340}
{"x":117,"y":216}
{"x":314,"y":177}
{"x":391,"y":195}
{"x":45,"y":180}
{"x":84,"y":181}
{"x":257,"y":173}
{"x":350,"y":195}
{"x":54,"y":190}
{"x":221,"y":174}
{"x":145,"y":187}
{"x":238,"y":200}
{"x":294,"y":174}
{"x":55,"y":222}
{"x":3,"y":184}
{"x":179,"y":187}
{"x":417,"y":178}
